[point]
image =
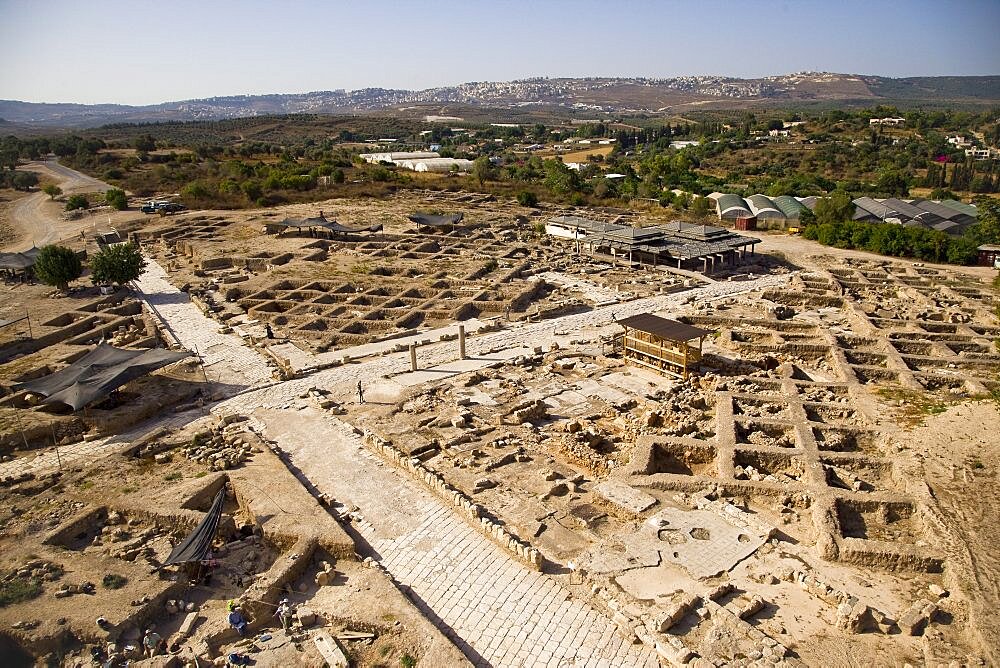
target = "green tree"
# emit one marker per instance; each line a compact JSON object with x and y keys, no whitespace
{"x":144,"y":143}
{"x":836,"y":208}
{"x":252,"y":190}
{"x":559,"y":178}
{"x":700,"y":207}
{"x":892,"y":183}
{"x":77,"y":202}
{"x":117,"y":264}
{"x":116,"y":199}
{"x":52,"y":190}
{"x":482,"y":169}
{"x":24,"y":180}
{"x":943,"y":193}
{"x":57,"y":266}
{"x":195,"y":190}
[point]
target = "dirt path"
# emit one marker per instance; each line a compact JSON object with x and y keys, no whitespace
{"x":796,"y":249}
{"x":37,"y":220}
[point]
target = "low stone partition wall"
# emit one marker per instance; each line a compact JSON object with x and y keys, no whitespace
{"x":78,"y":523}
{"x":888,"y":556}
{"x":472,"y":511}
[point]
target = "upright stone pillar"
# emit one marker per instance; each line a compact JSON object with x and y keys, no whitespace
{"x":413,"y":357}
{"x":461,"y":341}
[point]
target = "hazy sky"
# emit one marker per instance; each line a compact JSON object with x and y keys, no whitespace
{"x":142,"y":52}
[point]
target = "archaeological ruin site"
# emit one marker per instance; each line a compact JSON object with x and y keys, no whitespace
{"x":380,"y":433}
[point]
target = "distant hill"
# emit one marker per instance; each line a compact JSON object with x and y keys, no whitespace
{"x":580,"y":96}
{"x":937,"y":88}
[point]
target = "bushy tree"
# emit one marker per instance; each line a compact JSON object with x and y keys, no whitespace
{"x":892,"y":183}
{"x":77,"y":202}
{"x":24,"y":180}
{"x":116,"y":199}
{"x":559,"y":178}
{"x":144,"y":143}
{"x":482,"y":169}
{"x":52,"y":190}
{"x":836,"y":208}
{"x":701,"y":207}
{"x":57,"y":266}
{"x":117,"y":264}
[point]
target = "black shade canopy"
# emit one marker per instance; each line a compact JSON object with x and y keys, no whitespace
{"x":197,"y":544}
{"x":331,"y":225}
{"x":98,"y":373}
{"x":18,"y":261}
{"x":432,"y":220}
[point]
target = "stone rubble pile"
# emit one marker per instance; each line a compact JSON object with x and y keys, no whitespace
{"x":38,"y":569}
{"x":226,"y":446}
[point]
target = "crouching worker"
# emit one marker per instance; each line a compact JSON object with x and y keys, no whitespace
{"x":237,"y":620}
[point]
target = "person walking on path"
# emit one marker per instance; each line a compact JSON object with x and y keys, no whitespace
{"x":361,"y":393}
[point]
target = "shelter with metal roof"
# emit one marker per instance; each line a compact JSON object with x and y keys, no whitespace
{"x":661,"y":344}
{"x":789,"y":206}
{"x":869,"y":210}
{"x":675,"y":242}
{"x":731,"y":207}
{"x":762,"y":207}
{"x":439,"y":221}
{"x":961,"y":207}
{"x":944,"y":216}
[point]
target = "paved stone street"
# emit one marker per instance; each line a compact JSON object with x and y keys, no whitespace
{"x":226,"y":358}
{"x":496,"y":610}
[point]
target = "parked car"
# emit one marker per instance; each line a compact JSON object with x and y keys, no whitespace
{"x":170,"y":207}
{"x":162,"y":208}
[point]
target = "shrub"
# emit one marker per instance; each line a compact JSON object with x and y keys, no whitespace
{"x":77,"y":202}
{"x":116,"y":199}
{"x":19,"y":589}
{"x":527,"y":198}
{"x":57,"y":266}
{"x":114,"y":581}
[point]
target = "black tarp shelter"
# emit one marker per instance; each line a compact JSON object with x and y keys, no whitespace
{"x":98,"y":373}
{"x":197,"y":544}
{"x":322,"y":223}
{"x":435,"y":220}
{"x":15,"y":262}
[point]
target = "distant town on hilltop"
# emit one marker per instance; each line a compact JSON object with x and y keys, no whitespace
{"x":572,"y":95}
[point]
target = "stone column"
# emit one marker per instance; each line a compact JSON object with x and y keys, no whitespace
{"x":461,"y":341}
{"x":413,"y":357}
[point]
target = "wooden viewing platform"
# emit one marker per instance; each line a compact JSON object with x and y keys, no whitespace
{"x":661,"y":345}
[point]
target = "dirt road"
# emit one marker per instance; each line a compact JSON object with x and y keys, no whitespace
{"x":793,"y":246}
{"x":37,"y":220}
